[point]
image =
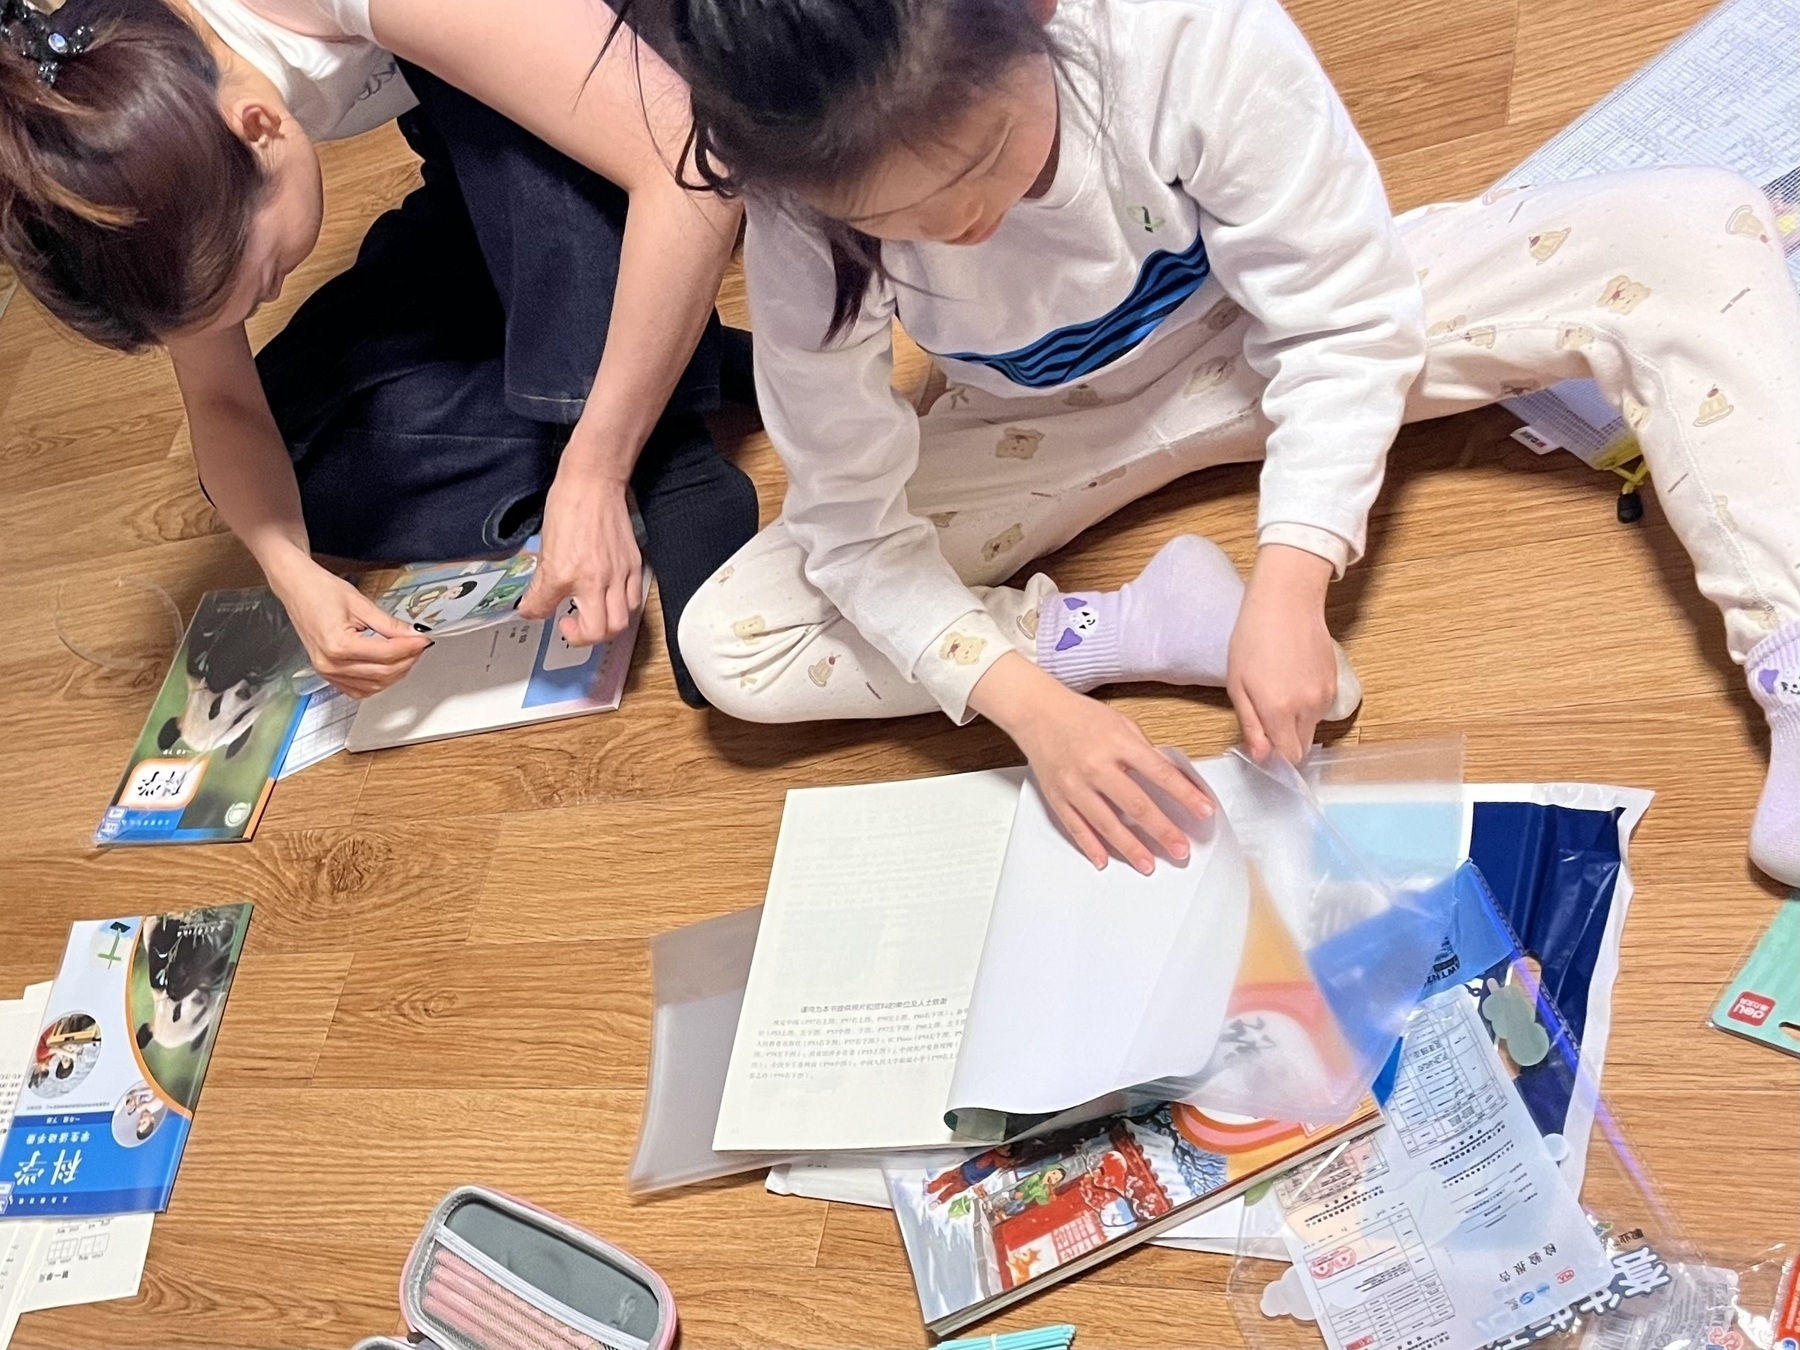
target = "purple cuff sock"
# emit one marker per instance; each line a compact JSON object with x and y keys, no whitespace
{"x":1078,"y":638}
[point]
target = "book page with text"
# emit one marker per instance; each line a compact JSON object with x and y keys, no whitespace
{"x":871,"y":934}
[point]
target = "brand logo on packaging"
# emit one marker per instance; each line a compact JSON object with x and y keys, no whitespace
{"x":1751,"y":1008}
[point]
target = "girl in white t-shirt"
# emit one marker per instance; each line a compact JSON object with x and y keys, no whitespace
{"x":506,"y":354}
{"x":1142,"y":237}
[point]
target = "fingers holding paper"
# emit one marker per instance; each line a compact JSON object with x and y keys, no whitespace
{"x":1108,"y":787}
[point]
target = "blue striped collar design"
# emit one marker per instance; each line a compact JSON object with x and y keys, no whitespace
{"x":1066,"y":354}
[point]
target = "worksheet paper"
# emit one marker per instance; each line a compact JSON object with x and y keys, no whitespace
{"x":940,"y":945}
{"x":1726,"y":93}
{"x":1450,"y":1225}
{"x":47,"y":1263}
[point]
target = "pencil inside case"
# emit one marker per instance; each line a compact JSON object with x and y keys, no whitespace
{"x":493,"y":1273}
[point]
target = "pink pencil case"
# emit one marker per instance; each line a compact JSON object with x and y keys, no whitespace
{"x":494,"y":1273}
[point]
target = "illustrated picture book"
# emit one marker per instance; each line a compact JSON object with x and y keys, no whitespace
{"x":984,"y":1230}
{"x":1762,"y":1002}
{"x":218,"y":732}
{"x":116,"y":1069}
{"x":460,"y":597}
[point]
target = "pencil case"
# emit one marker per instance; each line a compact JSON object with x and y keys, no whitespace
{"x":493,"y":1273}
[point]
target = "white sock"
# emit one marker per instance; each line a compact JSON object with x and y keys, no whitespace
{"x":1774,"y":671}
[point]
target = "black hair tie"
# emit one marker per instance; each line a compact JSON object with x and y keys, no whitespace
{"x":28,"y":31}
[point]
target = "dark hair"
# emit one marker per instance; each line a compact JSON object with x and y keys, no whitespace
{"x":796,"y":94}
{"x":125,"y":197}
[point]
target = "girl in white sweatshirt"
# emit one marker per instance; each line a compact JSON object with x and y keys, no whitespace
{"x":1142,"y":237}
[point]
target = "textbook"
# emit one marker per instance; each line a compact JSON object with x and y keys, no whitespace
{"x":219,"y":729}
{"x":116,"y":1069}
{"x":506,"y":674}
{"x":487,"y":668}
{"x":1762,"y":1003}
{"x":985,"y":1230}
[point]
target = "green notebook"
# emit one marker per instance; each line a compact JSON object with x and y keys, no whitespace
{"x":1763,"y":1002}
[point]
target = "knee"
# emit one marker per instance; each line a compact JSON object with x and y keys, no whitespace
{"x":1694,"y":201}
{"x":708,"y":639}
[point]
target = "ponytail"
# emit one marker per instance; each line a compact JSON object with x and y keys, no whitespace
{"x":125,"y":197}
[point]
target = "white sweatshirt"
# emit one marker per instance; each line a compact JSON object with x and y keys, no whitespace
{"x":1224,"y":149}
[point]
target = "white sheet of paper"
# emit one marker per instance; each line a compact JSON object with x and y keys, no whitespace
{"x":89,"y":1260}
{"x":877,"y":909}
{"x":1450,"y":1224}
{"x":19,"y":1241}
{"x":1095,"y":981}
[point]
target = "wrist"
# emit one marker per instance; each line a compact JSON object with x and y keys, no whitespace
{"x":1013,"y":693}
{"x":1292,"y":573}
{"x":284,"y":562}
{"x":599,"y":457}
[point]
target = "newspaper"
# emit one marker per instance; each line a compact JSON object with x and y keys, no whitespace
{"x":1726,"y":93}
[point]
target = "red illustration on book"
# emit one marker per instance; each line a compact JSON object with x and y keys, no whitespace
{"x":1048,"y":1224}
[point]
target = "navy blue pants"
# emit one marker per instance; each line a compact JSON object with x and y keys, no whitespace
{"x":426,"y":393}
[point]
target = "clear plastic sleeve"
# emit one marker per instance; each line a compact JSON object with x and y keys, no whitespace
{"x":698,"y":974}
{"x":1343,"y":934}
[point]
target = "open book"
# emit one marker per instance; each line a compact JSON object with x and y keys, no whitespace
{"x":937,"y":965}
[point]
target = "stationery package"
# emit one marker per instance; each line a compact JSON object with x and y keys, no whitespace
{"x":1762,"y":1002}
{"x":494,"y":1273}
{"x":118,"y":1062}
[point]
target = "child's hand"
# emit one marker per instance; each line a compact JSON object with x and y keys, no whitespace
{"x":1090,"y":762}
{"x":1282,"y":669}
{"x":334,"y":620}
{"x":590,"y":553}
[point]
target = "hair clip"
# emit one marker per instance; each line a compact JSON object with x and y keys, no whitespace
{"x":25,"y":29}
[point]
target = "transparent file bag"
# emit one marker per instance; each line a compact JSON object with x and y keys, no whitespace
{"x":1350,"y":862}
{"x":1480,"y":1215}
{"x":493,"y":1273}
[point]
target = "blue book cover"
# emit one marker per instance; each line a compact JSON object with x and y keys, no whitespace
{"x":116,"y":1069}
{"x":208,"y":756}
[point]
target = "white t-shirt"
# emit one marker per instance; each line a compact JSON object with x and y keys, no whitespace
{"x":321,"y":55}
{"x":1223,"y":151}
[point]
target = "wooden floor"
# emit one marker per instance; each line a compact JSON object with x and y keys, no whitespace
{"x":446,"y":979}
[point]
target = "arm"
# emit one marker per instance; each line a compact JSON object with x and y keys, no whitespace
{"x":625,"y":118}
{"x":246,"y":473}
{"x":1298,"y":230}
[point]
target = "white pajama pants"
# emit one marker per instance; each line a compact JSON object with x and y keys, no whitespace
{"x":1667,"y":286}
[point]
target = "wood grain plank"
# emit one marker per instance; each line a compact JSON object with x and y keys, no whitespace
{"x":519,"y":1016}
{"x":277,"y":1017}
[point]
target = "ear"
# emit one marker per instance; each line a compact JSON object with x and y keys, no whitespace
{"x":1042,"y":10}
{"x":143,"y":1035}
{"x":260,"y":123}
{"x":168,"y":734}
{"x":242,"y":740}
